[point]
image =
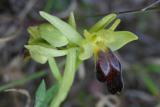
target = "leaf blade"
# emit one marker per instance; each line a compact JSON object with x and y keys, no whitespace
{"x":40,"y":94}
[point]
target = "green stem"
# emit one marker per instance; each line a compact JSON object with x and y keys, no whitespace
{"x":152,"y":87}
{"x":49,"y":5}
{"x":22,"y":81}
{"x":67,"y":80}
{"x":54,"y":68}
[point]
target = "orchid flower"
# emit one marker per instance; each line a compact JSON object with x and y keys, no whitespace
{"x":59,"y":38}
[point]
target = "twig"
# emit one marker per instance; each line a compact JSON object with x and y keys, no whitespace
{"x":148,"y":8}
{"x":139,"y":10}
{"x":151,"y":5}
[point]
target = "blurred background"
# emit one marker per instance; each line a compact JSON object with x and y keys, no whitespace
{"x":140,"y":59}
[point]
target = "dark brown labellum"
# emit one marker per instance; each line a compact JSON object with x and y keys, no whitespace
{"x":108,"y":70}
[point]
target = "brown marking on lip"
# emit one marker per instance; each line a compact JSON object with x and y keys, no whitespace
{"x":108,"y":70}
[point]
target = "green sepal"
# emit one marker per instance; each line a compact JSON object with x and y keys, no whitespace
{"x":52,"y":35}
{"x":116,"y":39}
{"x":70,"y":33}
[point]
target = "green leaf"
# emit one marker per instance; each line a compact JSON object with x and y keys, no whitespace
{"x":71,"y":20}
{"x":40,"y":94}
{"x":54,"y":68}
{"x":67,"y":79}
{"x":53,"y":36}
{"x":43,"y":97}
{"x":101,"y":24}
{"x":152,"y":87}
{"x":51,"y":93}
{"x":71,"y":34}
{"x":115,"y":24}
{"x":46,"y":51}
{"x":153,"y":68}
{"x":116,"y":40}
{"x":86,"y":52}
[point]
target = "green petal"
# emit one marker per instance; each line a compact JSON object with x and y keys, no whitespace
{"x":116,"y":40}
{"x":101,"y":24}
{"x":115,"y":24}
{"x":71,"y":34}
{"x":52,"y":35}
{"x":45,"y":51}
